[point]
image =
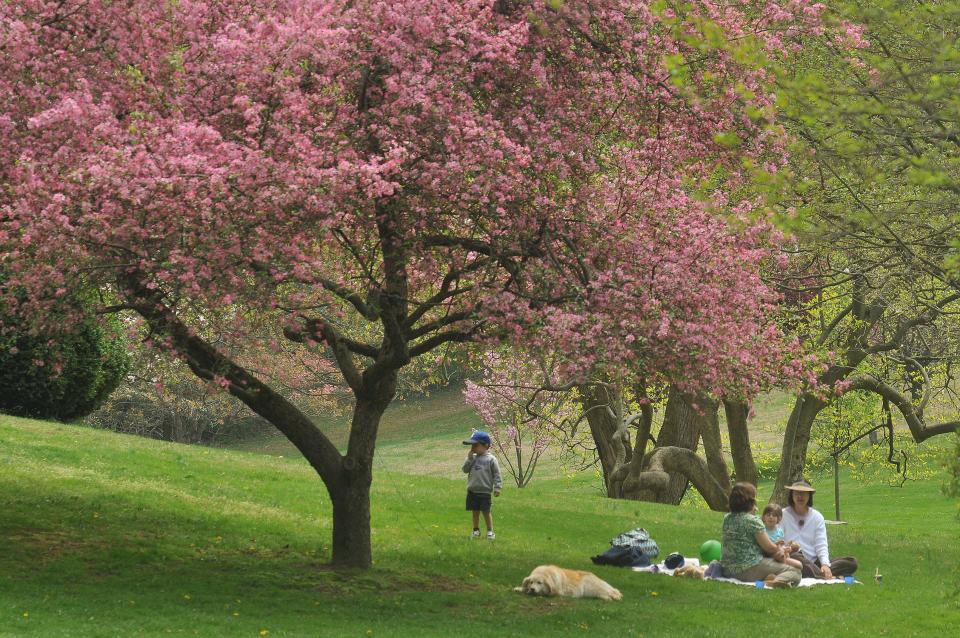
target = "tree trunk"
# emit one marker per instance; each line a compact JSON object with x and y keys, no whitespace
{"x":682,"y":424}
{"x":662,"y":464}
{"x":347,"y":477}
{"x":743,"y":463}
{"x":350,"y":493}
{"x":660,"y":476}
{"x":793,"y":458}
{"x":601,"y":404}
{"x":712,"y":445}
{"x":351,"y":526}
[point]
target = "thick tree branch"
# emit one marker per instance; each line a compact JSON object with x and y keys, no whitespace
{"x":904,"y":327}
{"x":661,"y":462}
{"x":208,"y":363}
{"x":369,"y":312}
{"x":439,"y":339}
{"x":338,"y":344}
{"x":920,"y":431}
{"x":442,"y":322}
{"x":318,"y":328}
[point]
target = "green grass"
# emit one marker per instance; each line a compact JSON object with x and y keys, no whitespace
{"x":112,"y":535}
{"x":415,"y":437}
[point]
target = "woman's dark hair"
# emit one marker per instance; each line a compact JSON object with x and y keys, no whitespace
{"x":742,"y":497}
{"x":790,"y":494}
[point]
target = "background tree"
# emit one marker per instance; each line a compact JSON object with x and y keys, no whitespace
{"x":523,"y":417}
{"x":875,"y":183}
{"x":698,"y":325}
{"x":426,"y":165}
{"x":58,"y":374}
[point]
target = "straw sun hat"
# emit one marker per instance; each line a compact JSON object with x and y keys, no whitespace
{"x":801,"y":486}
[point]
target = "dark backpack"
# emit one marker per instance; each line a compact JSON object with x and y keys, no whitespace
{"x":622,"y":556}
{"x":639,"y":538}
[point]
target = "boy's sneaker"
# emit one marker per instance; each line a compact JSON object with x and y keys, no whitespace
{"x":490,"y":535}
{"x":475,"y":534}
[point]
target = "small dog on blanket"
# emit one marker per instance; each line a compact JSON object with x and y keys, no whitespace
{"x":690,"y":571}
{"x":550,"y":580}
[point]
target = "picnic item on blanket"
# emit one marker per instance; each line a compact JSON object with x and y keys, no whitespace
{"x":674,"y":560}
{"x":638,"y":537}
{"x":622,"y":556}
{"x":714,"y":568}
{"x":689,"y":571}
{"x":710,"y":551}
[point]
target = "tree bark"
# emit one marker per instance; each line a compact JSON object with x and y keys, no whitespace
{"x":351,"y":494}
{"x":682,"y":425}
{"x":600,"y":404}
{"x":712,"y":445}
{"x":665,"y":463}
{"x":793,"y":457}
{"x":743,"y":464}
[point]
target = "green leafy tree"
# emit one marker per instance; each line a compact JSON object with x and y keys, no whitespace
{"x":875,"y":188}
{"x":64,"y":376}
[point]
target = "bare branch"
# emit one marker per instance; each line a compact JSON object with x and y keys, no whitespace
{"x":920,"y":431}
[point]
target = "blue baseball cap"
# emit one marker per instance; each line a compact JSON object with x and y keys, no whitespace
{"x":478,"y":437}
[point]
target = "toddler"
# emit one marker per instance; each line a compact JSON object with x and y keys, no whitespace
{"x":772,"y":515}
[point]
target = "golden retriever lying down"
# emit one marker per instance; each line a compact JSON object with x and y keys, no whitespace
{"x":550,"y":580}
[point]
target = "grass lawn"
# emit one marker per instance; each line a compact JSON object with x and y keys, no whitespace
{"x":415,"y":436}
{"x":111,"y":535}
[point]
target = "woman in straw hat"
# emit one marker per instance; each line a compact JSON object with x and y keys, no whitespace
{"x":805,"y":525}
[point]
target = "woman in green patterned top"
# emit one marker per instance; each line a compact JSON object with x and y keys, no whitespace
{"x":748,"y":554}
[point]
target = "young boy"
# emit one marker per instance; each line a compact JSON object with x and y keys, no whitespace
{"x":483,"y":478}
{"x":772,"y":515}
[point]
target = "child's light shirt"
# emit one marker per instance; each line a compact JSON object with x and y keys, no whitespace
{"x":484,"y":474}
{"x":775,"y":534}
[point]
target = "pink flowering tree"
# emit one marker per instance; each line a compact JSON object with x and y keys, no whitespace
{"x":686,"y":310}
{"x":437,"y":170}
{"x":522,"y":415}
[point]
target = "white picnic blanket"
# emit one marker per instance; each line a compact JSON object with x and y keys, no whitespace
{"x":662,"y":569}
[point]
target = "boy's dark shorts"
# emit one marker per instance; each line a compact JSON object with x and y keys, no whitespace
{"x":478,"y":502}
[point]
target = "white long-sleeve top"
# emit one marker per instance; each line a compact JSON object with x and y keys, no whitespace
{"x":811,"y":535}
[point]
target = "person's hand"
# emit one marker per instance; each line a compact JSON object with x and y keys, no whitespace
{"x":779,"y":556}
{"x":471,"y":454}
{"x":825,"y":570}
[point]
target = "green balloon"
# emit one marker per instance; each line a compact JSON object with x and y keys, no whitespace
{"x":709,"y":552}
